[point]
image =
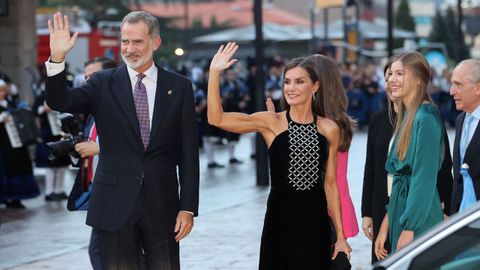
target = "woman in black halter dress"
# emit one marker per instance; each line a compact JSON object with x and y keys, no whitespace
{"x":302,"y":150}
{"x":297,"y":201}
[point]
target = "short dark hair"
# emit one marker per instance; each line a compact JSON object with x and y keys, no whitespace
{"x":105,"y":61}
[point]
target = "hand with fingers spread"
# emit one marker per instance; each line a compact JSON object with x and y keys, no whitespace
{"x":223,"y":58}
{"x":183,"y":225}
{"x":61,"y":41}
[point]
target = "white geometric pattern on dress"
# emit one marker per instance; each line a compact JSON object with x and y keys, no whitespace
{"x":304,"y":156}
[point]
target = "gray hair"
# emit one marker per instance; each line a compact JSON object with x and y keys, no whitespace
{"x":147,"y":18}
{"x":474,"y":65}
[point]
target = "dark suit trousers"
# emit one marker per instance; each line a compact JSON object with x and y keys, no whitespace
{"x":123,"y":250}
{"x":94,"y":250}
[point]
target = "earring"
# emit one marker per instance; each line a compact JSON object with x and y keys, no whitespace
{"x":313,"y":96}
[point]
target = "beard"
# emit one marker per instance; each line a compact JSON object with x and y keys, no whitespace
{"x":142,"y":60}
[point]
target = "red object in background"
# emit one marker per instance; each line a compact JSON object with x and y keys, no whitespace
{"x":102,"y":45}
{"x":103,"y":41}
{"x":43,"y":49}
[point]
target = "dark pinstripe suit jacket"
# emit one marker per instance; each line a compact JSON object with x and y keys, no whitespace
{"x":123,"y":162}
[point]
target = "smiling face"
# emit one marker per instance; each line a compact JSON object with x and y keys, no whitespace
{"x":298,"y":87}
{"x":138,"y":46}
{"x":465,"y":91}
{"x":401,"y":82}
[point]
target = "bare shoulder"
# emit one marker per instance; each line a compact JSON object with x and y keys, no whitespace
{"x":275,"y":121}
{"x":328,"y":128}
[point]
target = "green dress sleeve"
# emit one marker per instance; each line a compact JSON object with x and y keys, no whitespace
{"x":425,"y":156}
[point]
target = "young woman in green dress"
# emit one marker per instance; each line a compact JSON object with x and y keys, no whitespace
{"x":415,"y":156}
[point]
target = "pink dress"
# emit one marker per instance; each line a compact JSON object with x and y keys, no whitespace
{"x":349,"y":220}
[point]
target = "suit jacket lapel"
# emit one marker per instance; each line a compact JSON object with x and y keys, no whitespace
{"x":473,"y":145}
{"x":122,"y":91}
{"x":161,"y":102}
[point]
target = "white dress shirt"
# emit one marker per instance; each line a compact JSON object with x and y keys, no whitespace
{"x":473,"y":125}
{"x":150,"y":82}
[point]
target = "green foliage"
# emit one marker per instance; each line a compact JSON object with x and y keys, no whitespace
{"x":197,"y":22}
{"x":450,"y":33}
{"x":213,"y":22}
{"x":403,"y":20}
{"x":171,"y":38}
{"x":438,"y":27}
{"x":445,"y":30}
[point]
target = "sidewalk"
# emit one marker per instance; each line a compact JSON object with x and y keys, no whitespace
{"x":226,"y":234}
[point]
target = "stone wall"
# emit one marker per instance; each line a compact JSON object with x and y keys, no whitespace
{"x":18,"y":41}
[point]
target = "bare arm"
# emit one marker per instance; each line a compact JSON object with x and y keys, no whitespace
{"x":332,"y":132}
{"x":232,"y":121}
{"x":331,"y":189}
{"x":380,"y":250}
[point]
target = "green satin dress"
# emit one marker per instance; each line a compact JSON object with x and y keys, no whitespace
{"x":414,"y":203}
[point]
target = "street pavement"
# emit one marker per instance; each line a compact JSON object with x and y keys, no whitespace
{"x":226,"y":234}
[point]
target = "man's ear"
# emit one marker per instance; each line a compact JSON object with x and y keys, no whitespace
{"x":156,"y":43}
{"x":476,"y":91}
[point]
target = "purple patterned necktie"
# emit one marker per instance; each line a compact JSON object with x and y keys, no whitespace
{"x":141,"y":105}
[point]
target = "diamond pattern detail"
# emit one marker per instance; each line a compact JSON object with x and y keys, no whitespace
{"x":304,"y":156}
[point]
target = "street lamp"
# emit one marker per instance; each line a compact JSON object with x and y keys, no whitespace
{"x":179,"y":52}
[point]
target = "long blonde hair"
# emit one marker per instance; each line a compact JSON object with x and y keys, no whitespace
{"x":419,"y":69}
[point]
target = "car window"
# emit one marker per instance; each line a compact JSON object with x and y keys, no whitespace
{"x":458,"y":251}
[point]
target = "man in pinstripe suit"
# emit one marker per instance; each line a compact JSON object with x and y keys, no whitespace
{"x":145,"y":116}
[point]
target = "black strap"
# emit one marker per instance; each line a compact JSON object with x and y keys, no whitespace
{"x":289,"y":119}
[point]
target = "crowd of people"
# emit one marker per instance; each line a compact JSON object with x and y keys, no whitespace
{"x":143,"y":126}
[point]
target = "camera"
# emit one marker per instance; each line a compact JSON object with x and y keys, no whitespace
{"x":72,"y":136}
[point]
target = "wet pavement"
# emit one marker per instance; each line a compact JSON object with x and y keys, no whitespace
{"x":226,"y":235}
